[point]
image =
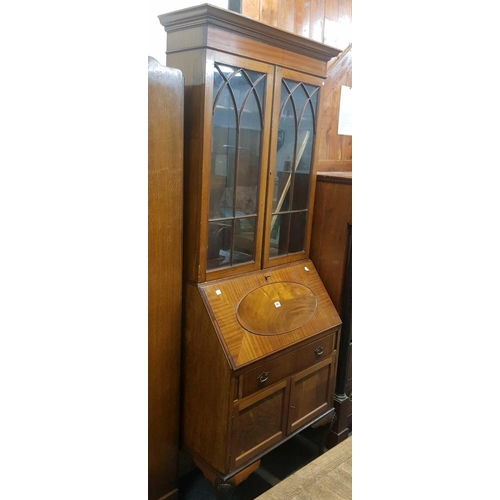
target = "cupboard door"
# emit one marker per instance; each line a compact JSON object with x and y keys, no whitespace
{"x":311,"y":394}
{"x":240,"y":126}
{"x":259,"y":422}
{"x":292,"y":167}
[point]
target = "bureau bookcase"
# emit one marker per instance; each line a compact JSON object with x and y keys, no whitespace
{"x":260,"y":333}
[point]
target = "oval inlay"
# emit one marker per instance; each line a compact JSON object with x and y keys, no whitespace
{"x":276,"y":308}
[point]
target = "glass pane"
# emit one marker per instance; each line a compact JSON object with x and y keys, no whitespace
{"x":244,"y":240}
{"x":304,"y":158}
{"x":297,"y":232}
{"x":313,"y":91}
{"x":279,"y":235}
{"x":235,"y":170}
{"x":285,"y":151}
{"x":218,"y":82}
{"x":219,"y":244}
{"x":227,"y":71}
{"x":223,"y":156}
{"x":242,"y":81}
{"x":301,"y":190}
{"x":249,"y":155}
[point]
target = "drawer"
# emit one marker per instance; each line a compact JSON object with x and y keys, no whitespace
{"x":313,"y":353}
{"x":266,"y":374}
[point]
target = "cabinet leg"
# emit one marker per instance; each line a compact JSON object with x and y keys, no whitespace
{"x":325,"y":432}
{"x":223,"y":491}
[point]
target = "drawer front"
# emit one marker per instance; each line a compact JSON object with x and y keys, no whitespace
{"x":313,"y":353}
{"x":277,"y":369}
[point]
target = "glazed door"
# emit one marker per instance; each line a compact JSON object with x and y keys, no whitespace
{"x":292,"y":168}
{"x":240,"y":112}
{"x":311,"y":393}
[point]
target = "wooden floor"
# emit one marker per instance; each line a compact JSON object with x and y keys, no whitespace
{"x":328,"y":477}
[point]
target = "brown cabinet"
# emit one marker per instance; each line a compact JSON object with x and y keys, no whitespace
{"x":260,"y":331}
{"x":165,"y":137}
{"x":331,"y":254}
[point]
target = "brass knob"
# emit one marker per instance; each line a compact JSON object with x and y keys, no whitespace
{"x":263,"y":377}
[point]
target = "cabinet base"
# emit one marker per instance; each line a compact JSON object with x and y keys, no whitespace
{"x":224,"y":488}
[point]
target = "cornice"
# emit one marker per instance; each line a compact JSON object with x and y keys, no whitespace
{"x":209,"y":15}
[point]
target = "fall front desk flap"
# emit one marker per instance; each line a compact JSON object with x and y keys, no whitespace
{"x":262,"y":312}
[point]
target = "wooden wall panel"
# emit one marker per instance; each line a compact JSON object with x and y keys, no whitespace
{"x":269,"y":12}
{"x":302,"y":17}
{"x":251,"y":8}
{"x":286,"y":15}
{"x":317,"y":20}
{"x":326,"y":21}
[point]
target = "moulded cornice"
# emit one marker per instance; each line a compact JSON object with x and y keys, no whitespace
{"x":209,"y":15}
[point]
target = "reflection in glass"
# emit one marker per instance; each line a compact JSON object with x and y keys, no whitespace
{"x":294,"y":151}
{"x":284,"y":157}
{"x":297,"y":232}
{"x":223,"y":155}
{"x":244,"y":240}
{"x":219,"y":243}
{"x":236,"y":157}
{"x":280,"y":229}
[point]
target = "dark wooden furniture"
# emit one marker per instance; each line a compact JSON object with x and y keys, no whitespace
{"x":261,"y":334}
{"x":165,"y":194}
{"x":331,"y":254}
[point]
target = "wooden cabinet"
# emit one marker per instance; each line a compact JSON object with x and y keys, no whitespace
{"x":331,"y":254}
{"x":165,"y":136}
{"x":260,"y":331}
{"x":245,"y":389}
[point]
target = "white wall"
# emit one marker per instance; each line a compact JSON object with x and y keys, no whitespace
{"x":157,"y":38}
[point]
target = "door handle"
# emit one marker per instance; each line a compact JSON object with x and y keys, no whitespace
{"x":319,"y":351}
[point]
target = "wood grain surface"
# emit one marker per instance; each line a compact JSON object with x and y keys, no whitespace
{"x":243,"y":347}
{"x":207,"y":386}
{"x":335,"y":151}
{"x":326,"y":21}
{"x":287,"y":364}
{"x":165,"y":139}
{"x":333,"y":209}
{"x":276,"y":308}
{"x":329,"y":477}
